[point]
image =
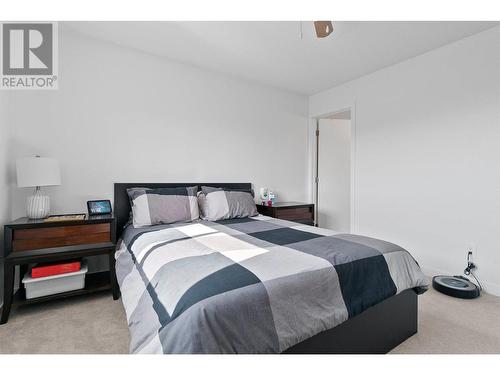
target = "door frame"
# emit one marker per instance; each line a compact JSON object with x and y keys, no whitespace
{"x":313,"y":147}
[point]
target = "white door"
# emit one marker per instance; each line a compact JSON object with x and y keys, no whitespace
{"x":334,"y":172}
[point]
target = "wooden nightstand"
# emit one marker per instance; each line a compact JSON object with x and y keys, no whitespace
{"x":35,"y":241}
{"x":294,"y":211}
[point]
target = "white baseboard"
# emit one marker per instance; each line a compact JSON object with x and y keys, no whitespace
{"x":490,"y":288}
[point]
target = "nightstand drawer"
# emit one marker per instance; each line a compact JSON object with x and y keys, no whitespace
{"x":299,"y":213}
{"x":38,"y":238}
{"x":293,"y":211}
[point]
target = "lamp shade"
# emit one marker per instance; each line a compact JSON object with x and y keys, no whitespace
{"x":37,"y":171}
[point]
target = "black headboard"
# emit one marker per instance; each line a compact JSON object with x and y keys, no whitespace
{"x":121,"y":205}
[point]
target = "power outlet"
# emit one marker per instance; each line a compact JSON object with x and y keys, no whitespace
{"x":471,"y":247}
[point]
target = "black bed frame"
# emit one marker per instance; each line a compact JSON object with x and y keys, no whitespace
{"x":376,"y":330}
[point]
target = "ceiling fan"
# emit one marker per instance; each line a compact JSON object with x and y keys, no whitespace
{"x":323,"y":28}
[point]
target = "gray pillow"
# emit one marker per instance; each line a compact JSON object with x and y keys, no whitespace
{"x":220,"y":204}
{"x":163,"y":205}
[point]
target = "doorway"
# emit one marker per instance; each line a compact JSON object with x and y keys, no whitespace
{"x":333,"y":189}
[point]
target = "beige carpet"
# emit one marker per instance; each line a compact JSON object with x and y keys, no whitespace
{"x":97,"y":324}
{"x":448,"y":325}
{"x":85,"y":324}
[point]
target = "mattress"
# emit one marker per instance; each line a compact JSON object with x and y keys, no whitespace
{"x":251,"y":285}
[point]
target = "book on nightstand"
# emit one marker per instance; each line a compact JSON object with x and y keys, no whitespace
{"x":51,"y":269}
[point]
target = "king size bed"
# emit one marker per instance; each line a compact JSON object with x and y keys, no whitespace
{"x":260,"y":285}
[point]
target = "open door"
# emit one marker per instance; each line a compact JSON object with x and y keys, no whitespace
{"x":334,"y":173}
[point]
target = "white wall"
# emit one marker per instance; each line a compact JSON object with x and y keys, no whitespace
{"x":125,"y":116}
{"x":334,"y":199}
{"x":5,"y":203}
{"x":427,"y":154}
{"x":4,"y":139}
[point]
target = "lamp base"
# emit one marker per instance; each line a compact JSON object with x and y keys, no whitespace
{"x":38,"y":205}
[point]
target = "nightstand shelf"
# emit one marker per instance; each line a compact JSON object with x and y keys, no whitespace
{"x":35,"y":241}
{"x":94,"y":283}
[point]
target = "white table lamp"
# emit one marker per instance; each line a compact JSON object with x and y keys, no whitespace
{"x":36,"y":172}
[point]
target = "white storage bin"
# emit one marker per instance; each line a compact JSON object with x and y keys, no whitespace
{"x":45,"y":286}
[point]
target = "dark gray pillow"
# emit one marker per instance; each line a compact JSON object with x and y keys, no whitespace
{"x":220,"y":204}
{"x":163,"y":205}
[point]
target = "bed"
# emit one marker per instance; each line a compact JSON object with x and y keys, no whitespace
{"x":261,"y":285}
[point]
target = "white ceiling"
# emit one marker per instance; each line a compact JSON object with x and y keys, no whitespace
{"x":273,"y":54}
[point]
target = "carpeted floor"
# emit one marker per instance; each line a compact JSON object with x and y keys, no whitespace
{"x":97,"y":324}
{"x":448,"y":325}
{"x":85,"y":324}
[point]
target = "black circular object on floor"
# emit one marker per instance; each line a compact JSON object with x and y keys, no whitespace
{"x":455,"y":286}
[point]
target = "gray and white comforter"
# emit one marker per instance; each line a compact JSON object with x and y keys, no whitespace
{"x":252,"y":285}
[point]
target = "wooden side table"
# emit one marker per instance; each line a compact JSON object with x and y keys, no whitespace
{"x":35,"y":241}
{"x":293,"y":211}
